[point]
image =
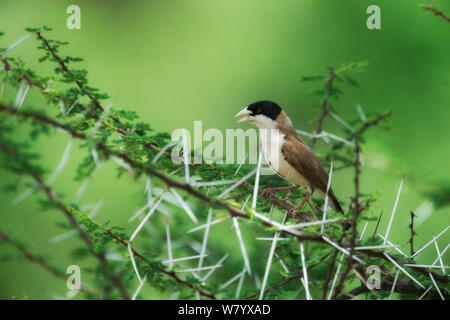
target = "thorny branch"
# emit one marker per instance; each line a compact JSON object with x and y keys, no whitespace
{"x":436,"y":12}
{"x":197,"y":194}
{"x":38,"y":260}
{"x":61,"y":207}
{"x":413,"y":233}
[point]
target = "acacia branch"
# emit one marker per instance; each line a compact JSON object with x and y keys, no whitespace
{"x":436,"y":12}
{"x":39,"y":261}
{"x":194,"y":192}
{"x":59,"y":205}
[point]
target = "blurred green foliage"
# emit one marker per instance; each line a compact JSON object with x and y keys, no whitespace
{"x":176,"y":62}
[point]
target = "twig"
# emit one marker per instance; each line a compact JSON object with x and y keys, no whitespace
{"x":436,"y":12}
{"x":413,"y":233}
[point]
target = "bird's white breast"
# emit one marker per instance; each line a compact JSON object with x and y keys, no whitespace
{"x":271,"y":142}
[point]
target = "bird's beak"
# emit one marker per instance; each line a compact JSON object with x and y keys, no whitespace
{"x":244,"y":112}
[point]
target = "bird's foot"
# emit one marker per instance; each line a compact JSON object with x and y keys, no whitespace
{"x":270,"y":192}
{"x":293,"y":209}
{"x":299,"y":206}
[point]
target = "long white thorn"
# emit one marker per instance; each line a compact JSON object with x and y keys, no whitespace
{"x":436,"y":286}
{"x":218,"y":264}
{"x":305,"y":272}
{"x":234,"y":186}
{"x":312,"y":223}
{"x":186,"y":156}
{"x":203,"y":226}
{"x":394,"y":284}
{"x":139,"y":288}
{"x":325,"y":207}
{"x":62,"y":163}
{"x":185,"y":206}
{"x":255,"y":188}
{"x":133,"y":262}
{"x":205,"y":238}
{"x":361,"y":113}
{"x":403,"y":270}
{"x":386,"y":236}
{"x":239,"y":286}
{"x":15,"y":44}
{"x":277,"y":224}
{"x":333,"y":284}
{"x":139,"y":212}
{"x":212,"y":183}
{"x":163,"y":150}
{"x":169,"y":246}
{"x":439,"y":256}
{"x":226,"y":284}
{"x":71,"y":107}
{"x":281,"y":262}
{"x":425,"y":292}
{"x":269,"y":262}
{"x":122,"y":163}
{"x":375,"y":247}
{"x":430,"y":242}
{"x":334,"y":244}
{"x":393,"y":245}
{"x":24,"y":95}
{"x":341,"y":122}
{"x":241,"y":241}
{"x":199,"y":269}
{"x":240,"y":165}
{"x":425,"y":266}
{"x":363,"y":231}
{"x":171,"y":261}
{"x":146,"y":217}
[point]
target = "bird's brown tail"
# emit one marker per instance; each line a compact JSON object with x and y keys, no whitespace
{"x":336,"y":204}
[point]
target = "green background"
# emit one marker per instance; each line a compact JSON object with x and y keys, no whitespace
{"x":178,"y":61}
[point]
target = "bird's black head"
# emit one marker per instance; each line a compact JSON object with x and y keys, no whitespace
{"x":267,"y":108}
{"x":262,"y":114}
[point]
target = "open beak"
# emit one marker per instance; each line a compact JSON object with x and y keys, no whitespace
{"x":244,"y":112}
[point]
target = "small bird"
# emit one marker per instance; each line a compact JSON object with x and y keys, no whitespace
{"x":286,"y":153}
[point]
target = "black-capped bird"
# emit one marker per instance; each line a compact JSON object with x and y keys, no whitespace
{"x":286,"y":153}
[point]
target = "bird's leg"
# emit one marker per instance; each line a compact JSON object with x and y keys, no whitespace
{"x":269,"y":192}
{"x":293,"y":209}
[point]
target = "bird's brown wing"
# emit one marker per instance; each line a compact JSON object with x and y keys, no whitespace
{"x":298,"y":155}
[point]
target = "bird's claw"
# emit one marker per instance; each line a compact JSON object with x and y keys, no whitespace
{"x":268,"y":192}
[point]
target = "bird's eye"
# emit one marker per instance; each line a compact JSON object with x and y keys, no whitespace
{"x":258,"y":110}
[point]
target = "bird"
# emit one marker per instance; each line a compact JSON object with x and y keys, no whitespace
{"x":286,"y":153}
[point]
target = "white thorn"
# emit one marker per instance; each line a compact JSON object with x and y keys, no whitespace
{"x":325,"y":207}
{"x":15,"y":44}
{"x":205,"y":238}
{"x":240,"y":165}
{"x":436,"y":286}
{"x":185,"y":206}
{"x":393,"y":245}
{"x":393,"y":211}
{"x":169,"y":247}
{"x":394,"y":284}
{"x":227,"y":191}
{"x":146,"y":218}
{"x":430,"y":242}
{"x":130,"y":250}
{"x":186,"y":157}
{"x":403,"y":270}
{"x":218,"y":264}
{"x":139,"y":288}
{"x":336,"y":276}
{"x":255,"y":188}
